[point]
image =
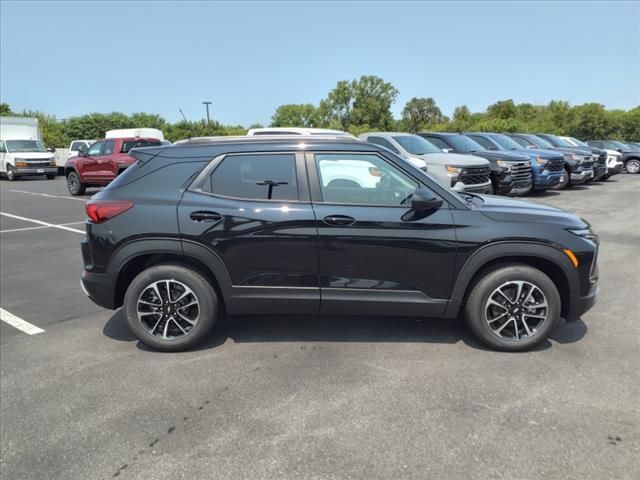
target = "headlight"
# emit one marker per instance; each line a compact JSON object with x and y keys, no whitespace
{"x":541,"y":161}
{"x":575,"y":156}
{"x":452,"y":169}
{"x":584,"y":233}
{"x":504,"y":164}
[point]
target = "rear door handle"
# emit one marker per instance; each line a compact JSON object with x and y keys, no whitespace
{"x":205,"y":216}
{"x":339,"y":220}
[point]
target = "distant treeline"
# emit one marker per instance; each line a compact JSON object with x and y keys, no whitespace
{"x":364,"y":105}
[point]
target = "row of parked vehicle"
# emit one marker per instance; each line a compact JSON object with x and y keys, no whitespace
{"x":505,"y":164}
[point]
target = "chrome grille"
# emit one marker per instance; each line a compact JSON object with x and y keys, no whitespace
{"x":475,"y":175}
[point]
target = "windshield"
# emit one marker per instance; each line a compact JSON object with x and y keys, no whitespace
{"x":465,"y":144}
{"x":505,"y":142}
{"x":620,"y":144}
{"x":416,"y":145}
{"x":579,"y":143}
{"x":537,"y":141}
{"x":25,"y":146}
{"x":558,"y":142}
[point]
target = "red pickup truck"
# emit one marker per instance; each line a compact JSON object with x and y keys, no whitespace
{"x":102,"y":162}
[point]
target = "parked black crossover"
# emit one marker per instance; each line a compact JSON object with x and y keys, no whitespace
{"x":324,"y":225}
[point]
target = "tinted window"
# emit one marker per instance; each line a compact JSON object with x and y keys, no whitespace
{"x":363,"y":179}
{"x":483,"y":142}
{"x":256,"y":177}
{"x":505,"y":142}
{"x":416,"y":145}
{"x":464,"y":144}
{"x":77,"y":146}
{"x":537,"y":141}
{"x":557,"y":141}
{"x":129,"y":144}
{"x":109,"y":147}
{"x":383,"y":142}
{"x":441,"y":144}
{"x":3,"y":149}
{"x":94,"y":150}
{"x":522,"y":141}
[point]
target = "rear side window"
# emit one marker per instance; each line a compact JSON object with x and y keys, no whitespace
{"x":255,"y":177}
{"x":77,"y":146}
{"x":129,"y":144}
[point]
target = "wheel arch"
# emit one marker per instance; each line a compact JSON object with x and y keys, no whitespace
{"x":137,"y":256}
{"x":546,"y":258}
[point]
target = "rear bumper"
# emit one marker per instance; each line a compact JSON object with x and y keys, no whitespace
{"x":99,"y":288}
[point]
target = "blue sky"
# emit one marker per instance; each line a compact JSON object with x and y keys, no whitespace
{"x":70,"y":58}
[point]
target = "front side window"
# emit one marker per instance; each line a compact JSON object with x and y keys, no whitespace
{"x":360,"y":179}
{"x":383,"y":142}
{"x":255,"y":177}
{"x":94,"y":150}
{"x":109,"y":147}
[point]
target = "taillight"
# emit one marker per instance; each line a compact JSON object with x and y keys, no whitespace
{"x":101,"y":210}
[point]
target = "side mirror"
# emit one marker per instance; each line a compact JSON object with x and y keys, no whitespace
{"x":619,"y":149}
{"x":424,"y":200}
{"x":52,"y":149}
{"x":82,"y":152}
{"x":447,"y":150}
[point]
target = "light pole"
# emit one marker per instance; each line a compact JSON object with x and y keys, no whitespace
{"x":206,"y":104}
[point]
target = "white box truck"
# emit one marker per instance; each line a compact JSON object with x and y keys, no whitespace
{"x":22,"y":152}
{"x":135,"y":132}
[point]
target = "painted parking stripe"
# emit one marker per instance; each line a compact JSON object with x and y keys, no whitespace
{"x":49,"y":195}
{"x":19,"y":323}
{"x":37,"y":228}
{"x":40,"y":222}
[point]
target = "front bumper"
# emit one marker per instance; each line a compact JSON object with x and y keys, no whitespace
{"x":544,"y":182}
{"x":581,"y":305}
{"x":582,"y":176}
{"x":24,"y":171}
{"x":614,"y":170}
{"x":479,"y":188}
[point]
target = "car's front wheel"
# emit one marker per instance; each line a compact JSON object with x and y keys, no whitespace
{"x":171,"y":307}
{"x":75,"y":185}
{"x":11,"y":174}
{"x":513,"y":308}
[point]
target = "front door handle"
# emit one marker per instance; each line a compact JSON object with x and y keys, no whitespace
{"x":205,"y":216}
{"x":339,"y":220}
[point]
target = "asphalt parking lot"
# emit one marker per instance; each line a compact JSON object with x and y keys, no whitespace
{"x":317,"y":398}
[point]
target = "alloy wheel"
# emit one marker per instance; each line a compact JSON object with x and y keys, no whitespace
{"x":516,"y":310}
{"x":633,"y":166}
{"x":168,"y":309}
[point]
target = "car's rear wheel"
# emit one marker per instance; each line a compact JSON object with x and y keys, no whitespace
{"x":171,"y":307}
{"x":75,"y":186}
{"x":632,"y":166}
{"x":513,"y":308}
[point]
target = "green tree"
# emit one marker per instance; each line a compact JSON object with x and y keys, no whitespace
{"x":294,"y":115}
{"x":5,"y":109}
{"x":503,"y":109}
{"x":421,"y":112}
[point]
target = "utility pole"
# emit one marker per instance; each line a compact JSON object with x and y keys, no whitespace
{"x":206,"y":104}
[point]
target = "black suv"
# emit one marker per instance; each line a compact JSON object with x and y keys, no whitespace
{"x":510,"y":171}
{"x":598,"y":155}
{"x":282,"y":224}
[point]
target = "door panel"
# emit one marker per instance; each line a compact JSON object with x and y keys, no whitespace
{"x":90,"y":165}
{"x":373,"y":261}
{"x":269,"y":247}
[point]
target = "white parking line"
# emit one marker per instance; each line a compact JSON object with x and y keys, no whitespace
{"x":37,"y":228}
{"x":40,"y":222}
{"x":49,"y":195}
{"x":19,"y":323}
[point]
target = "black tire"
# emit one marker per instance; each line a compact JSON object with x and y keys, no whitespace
{"x":11,"y":174}
{"x":605,"y":177}
{"x":51,"y":176}
{"x":203,"y":292}
{"x":564,"y":183}
{"x":476,"y":307}
{"x":632,"y":166}
{"x":75,"y":186}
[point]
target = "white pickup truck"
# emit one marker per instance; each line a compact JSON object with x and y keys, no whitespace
{"x":22,"y":152}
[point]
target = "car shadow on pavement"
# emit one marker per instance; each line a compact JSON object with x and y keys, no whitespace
{"x":340,"y":328}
